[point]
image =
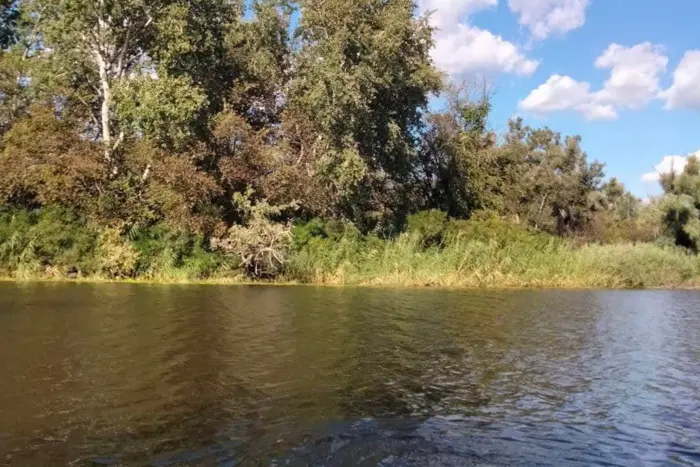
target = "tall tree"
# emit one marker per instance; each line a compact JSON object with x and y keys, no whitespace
{"x":681,"y":204}
{"x":456,"y":154}
{"x":100,"y":42}
{"x":363,"y":75}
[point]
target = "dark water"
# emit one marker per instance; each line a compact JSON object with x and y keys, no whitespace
{"x":209,"y":375}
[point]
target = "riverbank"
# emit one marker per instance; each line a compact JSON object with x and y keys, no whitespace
{"x":469,"y":264}
{"x":458,"y":254}
{"x":480,"y":266}
{"x":492,"y":255}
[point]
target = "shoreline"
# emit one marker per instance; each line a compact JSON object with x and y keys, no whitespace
{"x":378,"y":286}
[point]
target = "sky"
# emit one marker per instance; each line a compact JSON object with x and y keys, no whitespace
{"x":622,"y":74}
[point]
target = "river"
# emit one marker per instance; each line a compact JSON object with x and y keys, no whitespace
{"x":120,"y":374}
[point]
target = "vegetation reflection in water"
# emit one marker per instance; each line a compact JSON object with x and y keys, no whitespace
{"x":191,"y":375}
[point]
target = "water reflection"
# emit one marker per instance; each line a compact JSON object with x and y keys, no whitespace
{"x":190,"y":375}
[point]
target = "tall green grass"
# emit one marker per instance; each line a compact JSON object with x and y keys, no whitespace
{"x":485,"y":254}
{"x":54,"y":243}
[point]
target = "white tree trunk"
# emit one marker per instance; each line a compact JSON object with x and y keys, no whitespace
{"x":106,"y":104}
{"x":100,"y":49}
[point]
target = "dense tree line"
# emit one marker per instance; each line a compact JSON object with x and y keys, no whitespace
{"x":231,"y":119}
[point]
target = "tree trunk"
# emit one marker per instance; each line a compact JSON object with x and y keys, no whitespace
{"x":103,"y":64}
{"x":106,"y":104}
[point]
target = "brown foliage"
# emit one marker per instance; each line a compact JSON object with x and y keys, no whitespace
{"x":44,"y":161}
{"x":159,"y":185}
{"x":239,"y":150}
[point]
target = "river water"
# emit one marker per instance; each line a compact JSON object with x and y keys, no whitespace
{"x":117,"y":374}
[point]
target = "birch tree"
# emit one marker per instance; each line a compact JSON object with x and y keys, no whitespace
{"x":100,"y":42}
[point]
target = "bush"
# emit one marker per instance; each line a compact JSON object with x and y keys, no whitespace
{"x":260,"y":243}
{"x":428,"y":225}
{"x":51,"y":241}
{"x":334,"y":230}
{"x":116,"y":257}
{"x":323,"y":247}
{"x":503,"y":233}
{"x":169,"y":254}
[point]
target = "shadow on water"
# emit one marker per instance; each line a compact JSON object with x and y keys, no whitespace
{"x":117,"y":374}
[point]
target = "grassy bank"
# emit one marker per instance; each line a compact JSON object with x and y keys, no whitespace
{"x":488,"y":254}
{"x":467,"y":265}
{"x":54,"y":245}
{"x":488,"y":264}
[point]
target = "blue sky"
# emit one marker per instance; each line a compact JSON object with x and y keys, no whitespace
{"x":623,"y":74}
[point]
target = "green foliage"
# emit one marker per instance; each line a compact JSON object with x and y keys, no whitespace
{"x":162,"y":109}
{"x":491,"y":229}
{"x":315,"y":230}
{"x":163,"y":253}
{"x":116,"y":257}
{"x":485,"y":253}
{"x":182,"y":140}
{"x":363,"y":78}
{"x":51,"y":241}
{"x":192,"y":43}
{"x":54,"y":243}
{"x":260,"y":243}
{"x":321,"y":247}
{"x":681,"y":205}
{"x":429,"y":225}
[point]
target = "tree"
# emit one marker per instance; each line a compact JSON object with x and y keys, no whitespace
{"x":99,"y":42}
{"x":362,"y":78}
{"x":618,"y":200}
{"x":43,"y":162}
{"x":681,"y":204}
{"x":457,"y":156}
{"x":553,"y":190}
{"x":137,"y":113}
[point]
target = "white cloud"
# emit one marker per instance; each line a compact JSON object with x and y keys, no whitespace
{"x":634,"y":81}
{"x":668,"y":164}
{"x":447,"y":13}
{"x":634,"y":74}
{"x":684,"y":93}
{"x":461,"y":47}
{"x":545,"y":18}
{"x":562,"y":93}
{"x":466,"y":48}
{"x":558,"y":93}
{"x":597,"y":111}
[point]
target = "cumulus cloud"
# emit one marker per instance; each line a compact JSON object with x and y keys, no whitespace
{"x":668,"y":164}
{"x":634,"y":74}
{"x":684,"y":93}
{"x":562,"y":93}
{"x":461,"y":47}
{"x":634,"y":81}
{"x":545,"y":18}
{"x":466,"y":48}
{"x":446,"y":13}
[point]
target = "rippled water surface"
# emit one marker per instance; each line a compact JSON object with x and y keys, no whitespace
{"x":214,"y":375}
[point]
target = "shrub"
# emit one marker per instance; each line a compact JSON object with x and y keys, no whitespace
{"x":503,"y":233}
{"x":260,"y":243}
{"x":50,"y":239}
{"x":428,"y":225}
{"x":116,"y":257}
{"x":164,"y":253}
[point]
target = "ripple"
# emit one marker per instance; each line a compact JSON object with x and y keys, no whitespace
{"x":118,"y":374}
